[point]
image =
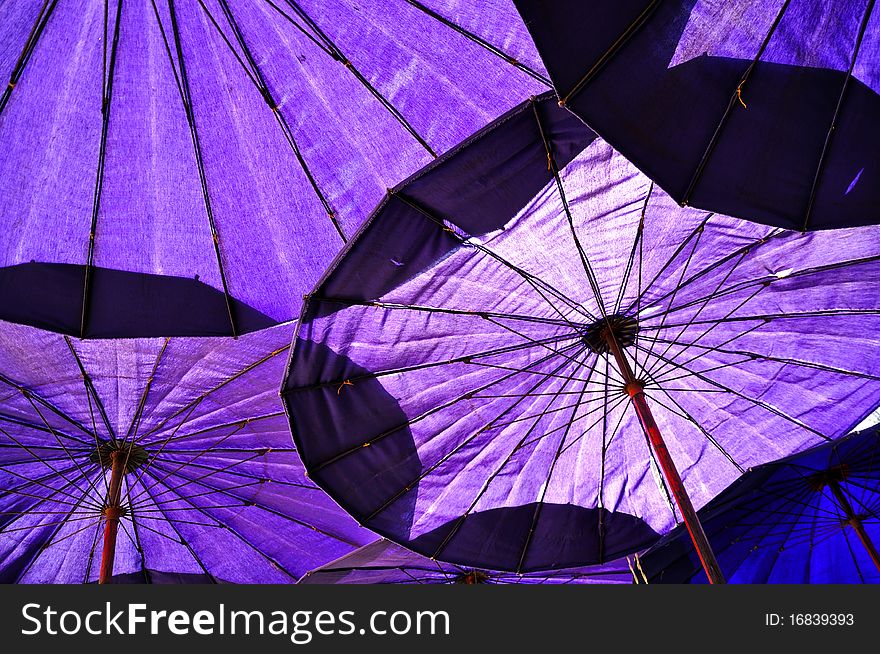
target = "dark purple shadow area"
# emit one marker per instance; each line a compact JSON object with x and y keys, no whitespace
{"x":121,"y":305}
{"x":564,"y":536}
{"x":663,"y":119}
{"x":154,"y":577}
{"x":331,"y":421}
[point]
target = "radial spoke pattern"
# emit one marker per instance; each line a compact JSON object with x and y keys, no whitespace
{"x":212,"y":487}
{"x":498,"y":421}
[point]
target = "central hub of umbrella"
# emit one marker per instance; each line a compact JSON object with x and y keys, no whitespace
{"x":472,"y":577}
{"x":132,"y":455}
{"x":623,"y":328}
{"x":829,"y":477}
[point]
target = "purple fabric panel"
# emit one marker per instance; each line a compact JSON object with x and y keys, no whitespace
{"x":47,"y":169}
{"x":222,"y":494}
{"x":384,"y":562}
{"x":495,"y":21}
{"x":152,"y":215}
{"x":754,"y":343}
{"x":284,"y":133}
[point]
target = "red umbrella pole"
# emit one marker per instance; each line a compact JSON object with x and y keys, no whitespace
{"x":112,"y":512}
{"x":854,"y":521}
{"x":636,"y":391}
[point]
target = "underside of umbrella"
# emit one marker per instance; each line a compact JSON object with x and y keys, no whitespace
{"x":384,"y":562}
{"x":166,"y":167}
{"x":767,"y":110}
{"x":152,"y":459}
{"x":549,"y":377}
{"x":811,"y":518}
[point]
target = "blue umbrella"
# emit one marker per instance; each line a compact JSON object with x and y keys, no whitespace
{"x":810,"y":518}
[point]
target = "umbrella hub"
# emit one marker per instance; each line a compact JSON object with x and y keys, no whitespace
{"x":622,"y":328}
{"x":472,"y":577}
{"x":132,"y":454}
{"x":829,"y":477}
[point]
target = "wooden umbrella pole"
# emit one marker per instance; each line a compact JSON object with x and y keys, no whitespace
{"x":112,"y":513}
{"x":636,"y":391}
{"x":854,"y":521}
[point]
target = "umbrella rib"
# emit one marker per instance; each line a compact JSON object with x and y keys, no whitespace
{"x":48,"y":542}
{"x":660,"y":273}
{"x":490,"y":425}
{"x":29,"y":46}
{"x":770,"y":279}
{"x":186,"y":98}
{"x":461,"y":359}
{"x":735,"y":98}
{"x":677,"y":288}
{"x":39,"y":481}
{"x":796,"y":362}
{"x":52,"y":468}
{"x":831,"y":128}
{"x":818,"y":313}
{"x":42,"y":428}
{"x":107,"y":97}
{"x":430,"y":412}
{"x":232,"y":433}
{"x":193,"y":403}
{"x":612,"y":50}
{"x":551,"y":164}
{"x":707,"y":349}
{"x":183,"y":541}
{"x":213,"y":471}
{"x":256,"y":76}
{"x":134,"y":426}
{"x":92,"y":550}
{"x":249,"y":502}
{"x":32,"y":395}
{"x":208,"y":430}
{"x":636,"y":246}
{"x":498,"y":52}
{"x":268,"y":509}
{"x":140,"y":505}
{"x":431,"y":309}
{"x":687,"y":416}
{"x":246,"y":475}
{"x":763,"y":405}
{"x":485,"y":487}
{"x":465,"y":239}
{"x":90,"y":389}
{"x":543,"y":494}
{"x":705,"y":303}
{"x":338,"y":55}
{"x":853,"y":555}
{"x":704,"y":271}
{"x":596,"y":409}
{"x":311,"y":37}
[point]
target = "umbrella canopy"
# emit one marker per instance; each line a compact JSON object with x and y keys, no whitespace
{"x":461,"y":376}
{"x":763,"y":109}
{"x":177,"y":448}
{"x":384,"y":562}
{"x":810,"y":518}
{"x":166,"y":166}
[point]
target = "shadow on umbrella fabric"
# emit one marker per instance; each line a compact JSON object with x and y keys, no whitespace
{"x":456,"y":360}
{"x":553,"y":536}
{"x":49,"y":296}
{"x":809,"y":518}
{"x":662,"y":87}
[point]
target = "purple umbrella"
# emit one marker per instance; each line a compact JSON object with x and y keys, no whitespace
{"x":383,"y":562}
{"x":167,"y":166}
{"x":763,"y":109}
{"x":476,"y":376}
{"x":155,"y":460}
